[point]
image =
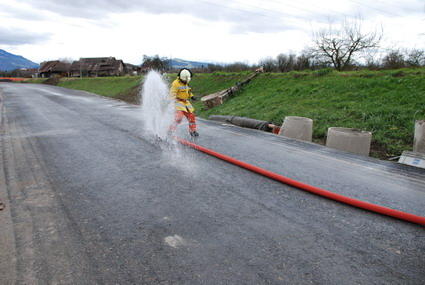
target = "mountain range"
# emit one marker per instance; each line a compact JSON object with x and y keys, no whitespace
{"x":9,"y":61}
{"x":181,"y":63}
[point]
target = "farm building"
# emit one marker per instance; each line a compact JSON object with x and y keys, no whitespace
{"x":28,"y":72}
{"x":53,"y":68}
{"x":132,"y":69}
{"x":98,"y":66}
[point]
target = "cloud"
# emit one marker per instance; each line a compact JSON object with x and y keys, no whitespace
{"x":22,"y":13}
{"x":390,"y":8}
{"x":20,"y":37}
{"x":244,"y":18}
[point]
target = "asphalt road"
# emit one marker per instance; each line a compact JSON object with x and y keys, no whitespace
{"x":91,"y":198}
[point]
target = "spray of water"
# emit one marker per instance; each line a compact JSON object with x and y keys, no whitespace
{"x":158,"y":114}
{"x":157,"y":107}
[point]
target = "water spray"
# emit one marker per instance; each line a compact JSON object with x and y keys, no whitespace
{"x":157,"y":106}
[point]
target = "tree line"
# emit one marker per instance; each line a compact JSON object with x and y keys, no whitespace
{"x":392,"y":59}
{"x":308,"y":60}
{"x":345,"y":46}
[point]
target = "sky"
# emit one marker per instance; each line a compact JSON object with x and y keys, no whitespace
{"x":219,"y":31}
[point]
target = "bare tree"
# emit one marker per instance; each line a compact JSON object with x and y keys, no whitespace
{"x":416,"y":57}
{"x":285,"y":62}
{"x":212,"y":67}
{"x":303,"y":61}
{"x":155,"y":62}
{"x":394,"y":59}
{"x":339,"y":46}
{"x":237,"y":67}
{"x":269,"y":64}
{"x":372,"y":59}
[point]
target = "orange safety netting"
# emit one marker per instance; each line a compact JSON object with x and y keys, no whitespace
{"x":12,"y":78}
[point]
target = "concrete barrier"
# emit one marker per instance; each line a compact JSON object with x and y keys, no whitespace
{"x":419,"y":139}
{"x":351,"y":140}
{"x":297,"y":128}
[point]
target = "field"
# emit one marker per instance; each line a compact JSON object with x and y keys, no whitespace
{"x":123,"y":88}
{"x":384,"y":102}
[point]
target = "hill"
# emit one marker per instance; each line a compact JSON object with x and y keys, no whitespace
{"x":181,"y":63}
{"x":9,"y":61}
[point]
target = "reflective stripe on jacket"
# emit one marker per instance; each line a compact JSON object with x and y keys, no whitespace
{"x":182,"y":92}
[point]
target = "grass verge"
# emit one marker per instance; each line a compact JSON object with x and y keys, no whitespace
{"x":384,"y":102}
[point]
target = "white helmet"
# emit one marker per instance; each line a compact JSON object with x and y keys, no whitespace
{"x":185,"y":75}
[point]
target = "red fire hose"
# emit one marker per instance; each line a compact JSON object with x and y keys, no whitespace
{"x":316,"y":190}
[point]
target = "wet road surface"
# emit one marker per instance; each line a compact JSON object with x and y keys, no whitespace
{"x":92,"y":199}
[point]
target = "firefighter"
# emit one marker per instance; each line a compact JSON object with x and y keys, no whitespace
{"x":182,"y":93}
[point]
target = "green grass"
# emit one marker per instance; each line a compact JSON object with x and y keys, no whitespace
{"x":126,"y":88}
{"x":384,"y":102}
{"x":206,"y":83}
{"x":35,"y":80}
{"x":106,"y":86}
{"x":117,"y":87}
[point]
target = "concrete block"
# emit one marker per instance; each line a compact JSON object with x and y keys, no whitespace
{"x":351,"y":140}
{"x":297,"y":128}
{"x":419,"y":139}
{"x":212,"y":100}
{"x":415,"y":159}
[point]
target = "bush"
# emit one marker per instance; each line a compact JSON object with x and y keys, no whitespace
{"x":323,"y":72}
{"x":398,"y":73}
{"x":393,"y":60}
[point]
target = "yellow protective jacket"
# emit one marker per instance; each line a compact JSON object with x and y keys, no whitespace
{"x":182,"y":92}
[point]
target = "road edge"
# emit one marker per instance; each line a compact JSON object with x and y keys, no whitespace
{"x":7,"y":237}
